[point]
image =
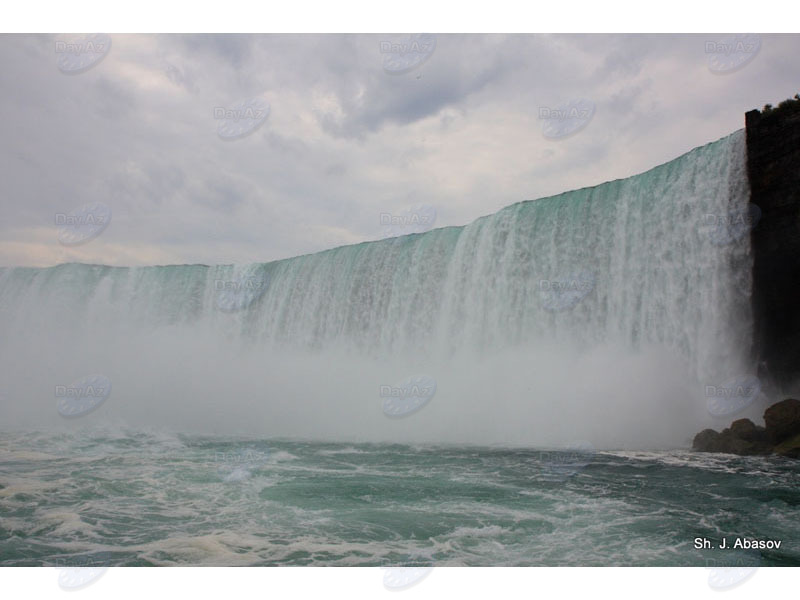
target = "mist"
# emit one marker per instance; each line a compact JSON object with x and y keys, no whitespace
{"x":550,"y":396}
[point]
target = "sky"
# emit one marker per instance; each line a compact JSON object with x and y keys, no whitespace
{"x":237,"y":148}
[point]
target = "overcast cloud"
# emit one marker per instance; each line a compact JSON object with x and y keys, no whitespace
{"x":344,"y":141}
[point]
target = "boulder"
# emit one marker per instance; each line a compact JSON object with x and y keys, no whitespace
{"x":731,"y":443}
{"x":790,"y":447}
{"x":782,"y":420}
{"x":746,"y":430}
{"x":706,"y":441}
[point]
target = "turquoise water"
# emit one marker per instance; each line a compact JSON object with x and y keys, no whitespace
{"x":123,"y":498}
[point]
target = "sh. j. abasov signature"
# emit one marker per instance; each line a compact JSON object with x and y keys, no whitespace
{"x":744,"y":543}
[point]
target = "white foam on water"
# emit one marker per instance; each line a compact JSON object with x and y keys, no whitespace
{"x":346,"y":450}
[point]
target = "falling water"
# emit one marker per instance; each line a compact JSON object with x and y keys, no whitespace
{"x":595,"y":314}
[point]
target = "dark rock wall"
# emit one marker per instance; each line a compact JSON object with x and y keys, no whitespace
{"x":773,"y":167}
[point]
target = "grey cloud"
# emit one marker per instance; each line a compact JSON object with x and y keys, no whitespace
{"x":344,"y":141}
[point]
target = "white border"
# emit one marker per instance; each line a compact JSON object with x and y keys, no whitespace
{"x":367,"y":583}
{"x":318,"y":16}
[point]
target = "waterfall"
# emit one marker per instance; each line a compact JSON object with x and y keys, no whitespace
{"x":626,"y":283}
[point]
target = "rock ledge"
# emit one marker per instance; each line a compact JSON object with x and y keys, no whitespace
{"x":780,"y":436}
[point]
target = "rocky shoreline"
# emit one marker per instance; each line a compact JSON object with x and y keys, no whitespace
{"x":780,"y":435}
